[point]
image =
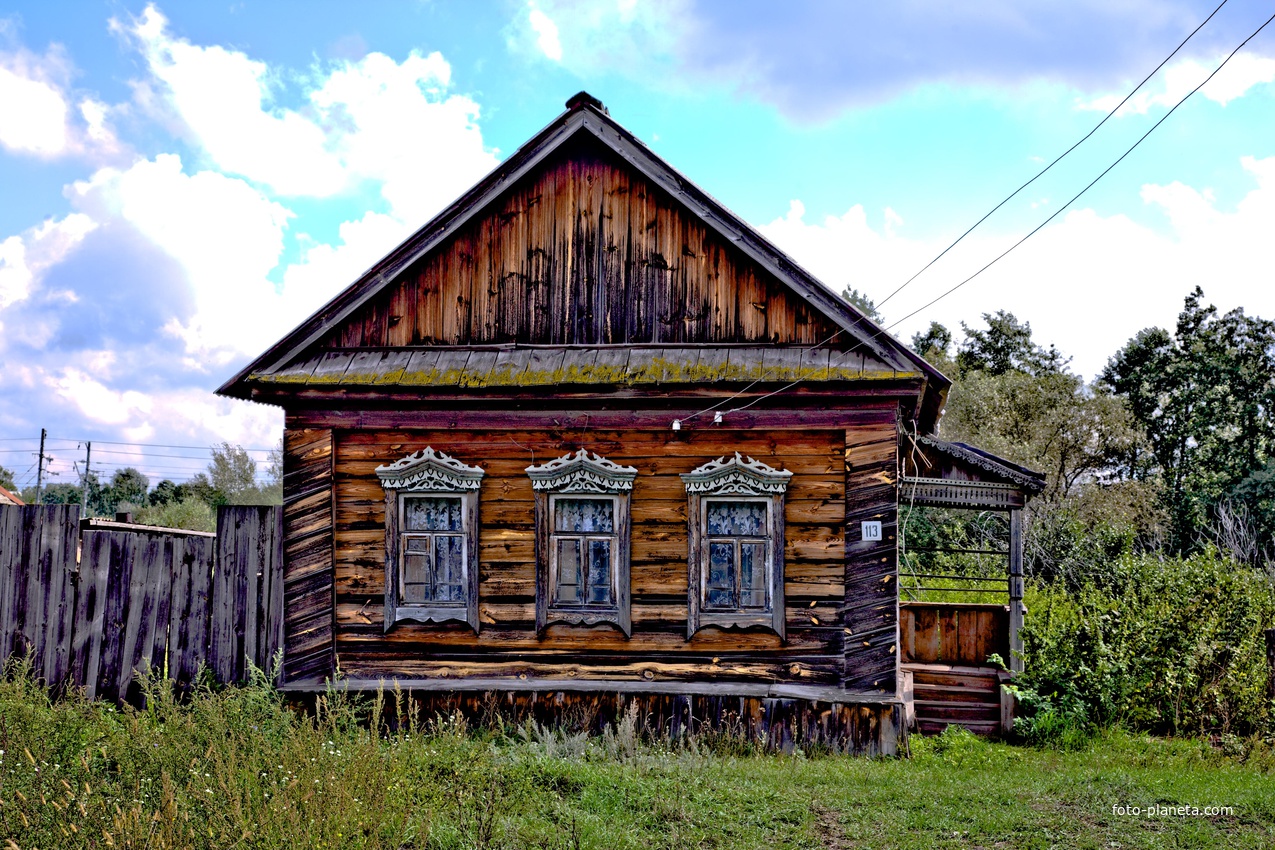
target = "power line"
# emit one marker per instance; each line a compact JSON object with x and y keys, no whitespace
{"x":167,"y":446}
{"x":1059,"y":158}
{"x":1091,"y":183}
{"x":1035,"y":230}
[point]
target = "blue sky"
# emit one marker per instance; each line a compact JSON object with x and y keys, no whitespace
{"x":184,"y":182}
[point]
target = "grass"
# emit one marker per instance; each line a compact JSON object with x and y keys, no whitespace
{"x":240,"y":768}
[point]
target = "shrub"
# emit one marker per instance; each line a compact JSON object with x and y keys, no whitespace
{"x":191,"y":513}
{"x":1169,"y":646}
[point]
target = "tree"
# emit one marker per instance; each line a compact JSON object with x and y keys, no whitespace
{"x":934,"y":343}
{"x":232,"y":478}
{"x":1205,"y":396}
{"x":6,"y":479}
{"x":863,"y":303}
{"x":127,"y":490}
{"x":233,"y":473}
{"x":1019,"y":400}
{"x":1005,"y":346}
{"x":165,"y":491}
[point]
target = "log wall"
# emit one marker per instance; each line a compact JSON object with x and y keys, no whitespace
{"x":871,"y":610}
{"x":308,"y":553}
{"x":507,"y":644}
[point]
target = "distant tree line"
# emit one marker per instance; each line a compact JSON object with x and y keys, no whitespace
{"x":1170,"y":449}
{"x":231,"y":479}
{"x":1151,"y":553}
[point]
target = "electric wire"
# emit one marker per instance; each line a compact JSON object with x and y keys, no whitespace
{"x":1037,"y":229}
{"x":1059,"y":158}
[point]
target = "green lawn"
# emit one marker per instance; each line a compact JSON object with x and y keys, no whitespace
{"x":240,"y":769}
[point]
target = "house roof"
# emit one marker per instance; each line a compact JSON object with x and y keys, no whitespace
{"x":9,"y":498}
{"x":491,"y":366}
{"x":584,"y":115}
{"x":1028,"y":479}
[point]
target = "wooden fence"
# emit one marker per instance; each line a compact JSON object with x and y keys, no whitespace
{"x":958,"y":633}
{"x":92,"y":606}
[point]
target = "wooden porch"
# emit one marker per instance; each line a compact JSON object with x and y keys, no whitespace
{"x":948,"y":650}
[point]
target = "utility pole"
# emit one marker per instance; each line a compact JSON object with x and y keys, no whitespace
{"x":84,"y":481}
{"x":39,"y":470}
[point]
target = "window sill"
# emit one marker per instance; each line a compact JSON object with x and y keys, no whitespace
{"x":586,"y":617}
{"x":426,"y":615}
{"x":737,"y":620}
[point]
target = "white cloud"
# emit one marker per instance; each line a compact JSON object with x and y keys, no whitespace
{"x":374,"y":119}
{"x":221,"y":95}
{"x":591,"y":38}
{"x":225,"y":235}
{"x":193,"y":415}
{"x":1240,"y":75}
{"x":844,"y":250}
{"x":546,"y":33}
{"x":23,"y":259}
{"x":1087,"y":282}
{"x":326,"y":269}
{"x":33,"y":115}
{"x":96,"y":401}
{"x":399,"y":128}
{"x":36,"y":116}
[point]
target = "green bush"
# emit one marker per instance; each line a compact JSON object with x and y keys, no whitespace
{"x":191,"y":513}
{"x":1170,"y":646}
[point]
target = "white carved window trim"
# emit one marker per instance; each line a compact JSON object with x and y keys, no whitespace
{"x":427,"y":474}
{"x":583,"y":474}
{"x":737,"y":478}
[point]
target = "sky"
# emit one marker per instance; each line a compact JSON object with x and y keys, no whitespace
{"x":182,"y":183}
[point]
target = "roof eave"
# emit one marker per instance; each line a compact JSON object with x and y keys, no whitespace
{"x":587,"y":116}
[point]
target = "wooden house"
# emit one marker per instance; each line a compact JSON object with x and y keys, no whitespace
{"x":588,"y":433}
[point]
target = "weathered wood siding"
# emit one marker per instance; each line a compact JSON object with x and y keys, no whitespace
{"x":507,"y":644}
{"x":956,"y":633}
{"x":871,"y":567}
{"x":585,"y":251}
{"x":308,"y":555}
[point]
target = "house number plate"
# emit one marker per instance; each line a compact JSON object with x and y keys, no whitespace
{"x":871,"y":530}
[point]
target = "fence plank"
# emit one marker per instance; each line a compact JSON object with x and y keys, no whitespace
{"x":115,"y":612}
{"x":220,"y":636}
{"x":141,"y":611}
{"x":190,"y":645}
{"x":243,"y":579}
{"x":12,"y":566}
{"x":179,"y":614}
{"x":275,"y":569}
{"x":90,"y":607}
{"x":33,"y":631}
{"x":64,"y":537}
{"x":163,"y":604}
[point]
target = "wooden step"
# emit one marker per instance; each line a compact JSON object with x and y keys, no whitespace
{"x":955,"y":711}
{"x":954,"y":693}
{"x":969,"y":681}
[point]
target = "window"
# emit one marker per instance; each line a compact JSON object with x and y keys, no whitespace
{"x":735,"y":560}
{"x":582,"y":540}
{"x":582,"y":552}
{"x":431,"y":539}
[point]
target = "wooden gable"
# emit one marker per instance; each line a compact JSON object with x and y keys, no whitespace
{"x":584,"y":238}
{"x":584,"y":251}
